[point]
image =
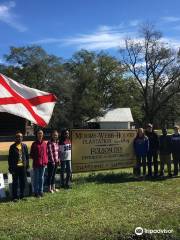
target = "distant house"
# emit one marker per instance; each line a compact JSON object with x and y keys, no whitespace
{"x":119,"y":118}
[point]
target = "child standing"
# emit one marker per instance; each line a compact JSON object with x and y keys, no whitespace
{"x":65,"y":157}
{"x":53,"y":160}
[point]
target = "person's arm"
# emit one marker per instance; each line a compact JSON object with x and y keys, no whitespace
{"x":46,"y":155}
{"x":157,"y":142}
{"x":61,"y":150}
{"x":27,"y":156}
{"x":10,"y":158}
{"x":147,"y":145}
{"x":49,"y":152}
{"x":135,"y":146}
{"x":32,"y":152}
{"x":170,"y":143}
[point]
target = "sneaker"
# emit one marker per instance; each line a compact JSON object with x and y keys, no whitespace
{"x":50,"y":191}
{"x":56,"y":190}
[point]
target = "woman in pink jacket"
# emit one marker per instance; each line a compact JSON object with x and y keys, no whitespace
{"x":40,"y":159}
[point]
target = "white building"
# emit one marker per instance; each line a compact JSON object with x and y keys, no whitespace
{"x":119,"y":118}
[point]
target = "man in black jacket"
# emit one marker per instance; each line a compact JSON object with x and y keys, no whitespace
{"x":165,"y":152}
{"x":153,"y":150}
{"x":18,"y":161}
{"x":175,"y":149}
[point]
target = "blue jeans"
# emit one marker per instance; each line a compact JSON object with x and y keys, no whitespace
{"x":38,"y":180}
{"x":140,"y":161}
{"x":65,"y":168}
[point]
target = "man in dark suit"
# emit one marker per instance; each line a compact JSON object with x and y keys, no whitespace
{"x":153,"y":150}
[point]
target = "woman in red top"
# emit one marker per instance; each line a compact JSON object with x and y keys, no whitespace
{"x":40,"y":159}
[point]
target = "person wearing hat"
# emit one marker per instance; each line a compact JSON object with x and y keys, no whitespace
{"x":153,"y":150}
{"x":18,"y":161}
{"x":165,"y":152}
{"x":175,"y":149}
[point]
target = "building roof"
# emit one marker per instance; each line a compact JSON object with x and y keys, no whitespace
{"x":115,"y":115}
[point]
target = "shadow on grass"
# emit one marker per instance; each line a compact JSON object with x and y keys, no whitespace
{"x":122,"y":177}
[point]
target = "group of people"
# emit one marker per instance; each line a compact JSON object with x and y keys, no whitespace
{"x":147,"y":147}
{"x":56,"y":152}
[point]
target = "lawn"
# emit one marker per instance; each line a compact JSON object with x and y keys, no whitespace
{"x":103,"y":205}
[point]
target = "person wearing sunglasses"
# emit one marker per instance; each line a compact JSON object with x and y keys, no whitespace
{"x":18,"y":161}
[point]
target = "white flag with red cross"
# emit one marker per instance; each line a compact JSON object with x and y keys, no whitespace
{"x":26,"y":102}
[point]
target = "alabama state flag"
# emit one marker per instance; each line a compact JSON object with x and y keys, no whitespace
{"x":26,"y":102}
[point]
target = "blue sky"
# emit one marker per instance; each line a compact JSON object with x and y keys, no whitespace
{"x":65,"y":26}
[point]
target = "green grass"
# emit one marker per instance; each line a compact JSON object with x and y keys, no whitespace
{"x":104,"y":205}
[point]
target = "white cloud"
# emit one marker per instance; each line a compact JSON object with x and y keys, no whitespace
{"x":47,"y":41}
{"x":170,"y":19}
{"x":134,"y":23}
{"x":8,"y":17}
{"x":105,"y":28}
{"x":97,"y":40}
{"x":105,"y":37}
{"x":172,"y":42}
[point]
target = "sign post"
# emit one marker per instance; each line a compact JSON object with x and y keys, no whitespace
{"x":2,"y":187}
{"x":102,"y":149}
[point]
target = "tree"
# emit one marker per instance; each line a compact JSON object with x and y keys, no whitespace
{"x":85,"y":97}
{"x":86,"y":85}
{"x":96,"y":81}
{"x":155,"y":67}
{"x":34,"y":67}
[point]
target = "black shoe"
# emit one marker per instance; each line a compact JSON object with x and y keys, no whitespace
{"x":170,"y":175}
{"x":175,"y":175}
{"x":161,"y":175}
{"x":149,"y":176}
{"x":41,"y":195}
{"x":15,"y":199}
{"x":21,"y":196}
{"x":36,"y":195}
